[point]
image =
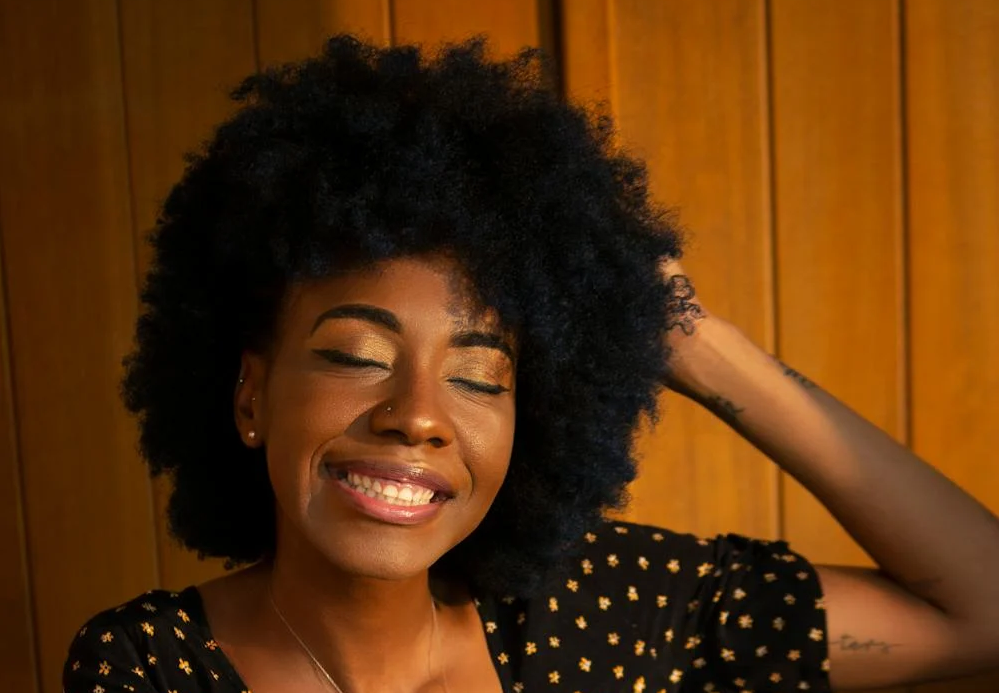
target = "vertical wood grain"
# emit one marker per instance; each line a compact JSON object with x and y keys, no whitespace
{"x":952,"y":109}
{"x":295,"y":29}
{"x":181,"y":58}
{"x":838,"y":186}
{"x":18,"y":662}
{"x":688,"y":91}
{"x":70,"y":280}
{"x":510,"y":25}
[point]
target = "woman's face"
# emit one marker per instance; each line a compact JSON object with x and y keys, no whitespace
{"x":387,"y":411}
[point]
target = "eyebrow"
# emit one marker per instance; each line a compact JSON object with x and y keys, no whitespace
{"x":384,"y":318}
{"x":378,"y":316}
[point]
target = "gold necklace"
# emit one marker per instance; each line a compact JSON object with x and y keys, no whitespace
{"x":322,"y":670}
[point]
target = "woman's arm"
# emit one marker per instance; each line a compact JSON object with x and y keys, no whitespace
{"x":932,"y":610}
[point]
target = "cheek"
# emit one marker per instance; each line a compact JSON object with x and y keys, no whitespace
{"x":488,"y":444}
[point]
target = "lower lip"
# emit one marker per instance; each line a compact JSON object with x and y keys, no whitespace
{"x":386,"y":512}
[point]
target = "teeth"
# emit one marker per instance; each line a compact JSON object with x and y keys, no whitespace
{"x":389,"y":492}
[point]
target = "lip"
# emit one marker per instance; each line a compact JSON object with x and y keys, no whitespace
{"x":393,"y":470}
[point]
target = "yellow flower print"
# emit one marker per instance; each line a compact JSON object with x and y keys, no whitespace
{"x":700,"y":663}
{"x":618,"y":672}
{"x":794,"y":655}
{"x":745,"y":621}
{"x":139,"y":672}
{"x":643,"y":562}
{"x":669,"y":635}
{"x":762,"y":651}
{"x":104,"y":668}
{"x":775,"y":677}
{"x":657,"y":536}
{"x":639,"y":648}
{"x":211,"y":645}
{"x":673,"y":566}
{"x":572,"y":585}
{"x":739,"y":593}
{"x":502,"y":658}
{"x":613,"y":638}
{"x":723,"y":618}
{"x":148,"y":629}
{"x":590,"y":537}
{"x":151,"y":659}
{"x":530,"y":648}
{"x":554,"y":642}
{"x":491,"y":626}
{"x":675,"y":676}
{"x":704,"y":569}
{"x":621,"y":530}
{"x":728,"y":655}
{"x":184,"y":666}
{"x":612,"y":560}
{"x":148,"y":607}
{"x":778,"y":623}
{"x":581,"y":623}
{"x":692,"y":642}
{"x":801,"y":575}
{"x":553,"y":677}
{"x":107,"y":637}
{"x":584,"y":664}
{"x":179,"y":633}
{"x":552,"y":604}
{"x":604,"y":603}
{"x":639,"y":685}
{"x":518,"y":687}
{"x":789,"y":599}
{"x":76,"y":666}
{"x":632,"y":593}
{"x":816,"y":634}
{"x":521,"y":618}
{"x":98,"y":689}
{"x":587,"y":566}
{"x":661,"y":600}
{"x":770,"y":577}
{"x":183,"y":616}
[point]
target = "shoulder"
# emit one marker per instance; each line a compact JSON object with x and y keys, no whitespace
{"x":127,"y":645}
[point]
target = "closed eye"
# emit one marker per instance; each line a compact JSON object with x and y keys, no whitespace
{"x":342,"y":358}
{"x":476,"y":386}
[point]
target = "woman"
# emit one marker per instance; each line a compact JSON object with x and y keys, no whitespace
{"x":382,"y":268}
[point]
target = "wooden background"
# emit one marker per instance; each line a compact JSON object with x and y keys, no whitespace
{"x":837,"y":160}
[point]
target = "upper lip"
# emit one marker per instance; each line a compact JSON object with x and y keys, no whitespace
{"x":394,"y":469}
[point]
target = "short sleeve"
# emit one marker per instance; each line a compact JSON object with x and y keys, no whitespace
{"x":103,"y":659}
{"x":759,"y":621}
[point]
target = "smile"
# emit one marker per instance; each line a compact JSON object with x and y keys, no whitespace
{"x":391,"y":492}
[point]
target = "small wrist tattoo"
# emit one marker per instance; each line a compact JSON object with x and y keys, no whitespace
{"x":680,"y":308}
{"x":802,"y":380}
{"x":726,"y":410}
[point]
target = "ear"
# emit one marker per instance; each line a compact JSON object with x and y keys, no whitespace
{"x":248,"y":399}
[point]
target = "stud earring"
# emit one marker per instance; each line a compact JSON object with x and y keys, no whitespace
{"x":252,"y":435}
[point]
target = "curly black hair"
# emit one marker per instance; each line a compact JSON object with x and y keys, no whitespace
{"x":363,"y":154}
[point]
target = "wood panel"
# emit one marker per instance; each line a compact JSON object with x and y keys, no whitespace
{"x":295,"y":29}
{"x":838,"y":185}
{"x":952,"y":87}
{"x":70,"y":280}
{"x":17,"y":645}
{"x":510,"y":25}
{"x":688,"y":90}
{"x":181,"y":58}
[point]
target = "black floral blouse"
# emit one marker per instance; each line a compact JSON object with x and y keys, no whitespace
{"x":641,"y":610}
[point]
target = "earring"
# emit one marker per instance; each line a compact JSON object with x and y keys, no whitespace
{"x":251,"y":434}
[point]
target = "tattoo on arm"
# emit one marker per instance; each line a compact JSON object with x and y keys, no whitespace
{"x":848,"y":643}
{"x":802,"y":380}
{"x":724,"y":408}
{"x":680,"y":308}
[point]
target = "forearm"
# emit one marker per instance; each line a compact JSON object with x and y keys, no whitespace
{"x":922,"y":530}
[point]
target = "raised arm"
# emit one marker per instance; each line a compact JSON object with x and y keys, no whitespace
{"x":932,"y":610}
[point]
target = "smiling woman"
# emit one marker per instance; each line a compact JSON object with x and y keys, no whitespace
{"x":403,"y":318}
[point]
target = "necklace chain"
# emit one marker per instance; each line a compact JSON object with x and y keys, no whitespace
{"x":315,"y":662}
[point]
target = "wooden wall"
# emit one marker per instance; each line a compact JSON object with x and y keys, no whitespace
{"x":836,"y":160}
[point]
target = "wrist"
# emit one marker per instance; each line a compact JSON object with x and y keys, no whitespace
{"x":698,"y":361}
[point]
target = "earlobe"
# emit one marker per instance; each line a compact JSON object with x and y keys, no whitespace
{"x":245,"y":406}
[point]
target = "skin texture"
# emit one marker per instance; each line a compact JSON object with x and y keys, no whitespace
{"x":347,"y":388}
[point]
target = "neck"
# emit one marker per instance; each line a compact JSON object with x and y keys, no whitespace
{"x":367,"y":633}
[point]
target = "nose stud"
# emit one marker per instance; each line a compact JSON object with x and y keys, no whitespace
{"x":388,"y":410}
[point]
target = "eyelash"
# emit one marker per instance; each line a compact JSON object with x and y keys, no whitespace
{"x":344,"y":359}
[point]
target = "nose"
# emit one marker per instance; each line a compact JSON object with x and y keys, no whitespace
{"x":414,"y":413}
